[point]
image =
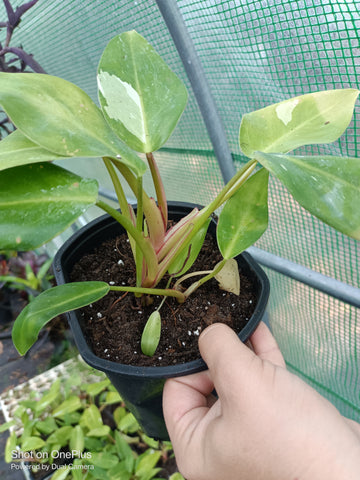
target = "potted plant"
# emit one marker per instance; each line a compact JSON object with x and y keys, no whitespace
{"x":141,"y":102}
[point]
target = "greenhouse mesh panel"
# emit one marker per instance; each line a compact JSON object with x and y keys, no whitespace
{"x":253,"y":53}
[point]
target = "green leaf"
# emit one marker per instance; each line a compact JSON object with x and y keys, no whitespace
{"x":146,"y":462}
{"x":328,"y":187}
{"x":91,"y":418}
{"x":103,"y":460}
{"x":62,"y":118}
{"x":176,"y":476}
{"x":151,"y":334}
{"x":141,"y":98}
{"x":32,"y":443}
{"x":123,"y":449}
{"x":50,"y":304}
{"x":128,"y":424}
{"x":5,"y":426}
{"x":37,"y":202}
{"x":16,"y":149}
{"x":319,"y":117}
{"x":118,"y":414}
{"x":99,"y":431}
{"x":62,"y":435}
{"x":46,"y":426}
{"x":61,"y":473}
{"x":120,"y":472}
{"x":244,"y":217}
{"x":69,"y":405}
{"x":77,"y":439}
{"x":10,"y":446}
{"x":94,"y":389}
{"x":111,"y":398}
{"x":49,"y":397}
{"x":186,"y":257}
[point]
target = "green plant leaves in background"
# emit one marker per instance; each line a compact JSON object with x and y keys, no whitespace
{"x":244,"y":217}
{"x":141,"y":98}
{"x":37,"y":202}
{"x":62,"y":118}
{"x":48,"y":305}
{"x":319,"y":117}
{"x":328,"y":187}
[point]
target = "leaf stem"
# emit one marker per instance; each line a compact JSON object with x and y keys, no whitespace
{"x":169,"y":292}
{"x":144,"y":244}
{"x":159,"y":187}
{"x":200,"y":282}
{"x":139,"y":228}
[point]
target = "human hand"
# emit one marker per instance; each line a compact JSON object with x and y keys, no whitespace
{"x":267,"y":424}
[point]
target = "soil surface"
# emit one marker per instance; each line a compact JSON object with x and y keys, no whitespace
{"x":115,"y":323}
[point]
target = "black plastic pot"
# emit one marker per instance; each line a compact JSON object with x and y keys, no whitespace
{"x":141,"y":387}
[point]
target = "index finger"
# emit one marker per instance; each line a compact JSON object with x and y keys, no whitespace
{"x":185,"y":403}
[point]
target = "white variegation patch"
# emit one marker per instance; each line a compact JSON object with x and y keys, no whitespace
{"x":123,"y":104}
{"x":284,"y":110}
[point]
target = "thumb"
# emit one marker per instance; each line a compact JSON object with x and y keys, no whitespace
{"x":227,"y":358}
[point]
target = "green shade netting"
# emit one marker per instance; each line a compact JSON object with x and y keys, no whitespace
{"x":254,"y":53}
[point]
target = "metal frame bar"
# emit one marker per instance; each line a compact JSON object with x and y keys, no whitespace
{"x":196,"y":75}
{"x":187,"y":52}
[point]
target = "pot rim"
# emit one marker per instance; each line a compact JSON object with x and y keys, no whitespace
{"x":153,"y":371}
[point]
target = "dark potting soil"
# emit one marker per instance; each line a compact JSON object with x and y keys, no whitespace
{"x":115,"y":323}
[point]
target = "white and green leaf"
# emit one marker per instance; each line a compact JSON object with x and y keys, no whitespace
{"x":319,"y":117}
{"x":326,"y":186}
{"x":62,"y":118}
{"x":141,"y":98}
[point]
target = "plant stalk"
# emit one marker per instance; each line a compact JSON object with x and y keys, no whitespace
{"x":144,"y":244}
{"x":168,"y":292}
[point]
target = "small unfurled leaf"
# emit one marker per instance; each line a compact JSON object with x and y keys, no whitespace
{"x":244,"y":217}
{"x":151,"y":334}
{"x":141,"y":98}
{"x":328,"y":187}
{"x":228,"y":277}
{"x":37,"y":202}
{"x":319,"y":117}
{"x":48,"y":305}
{"x":62,"y":118}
